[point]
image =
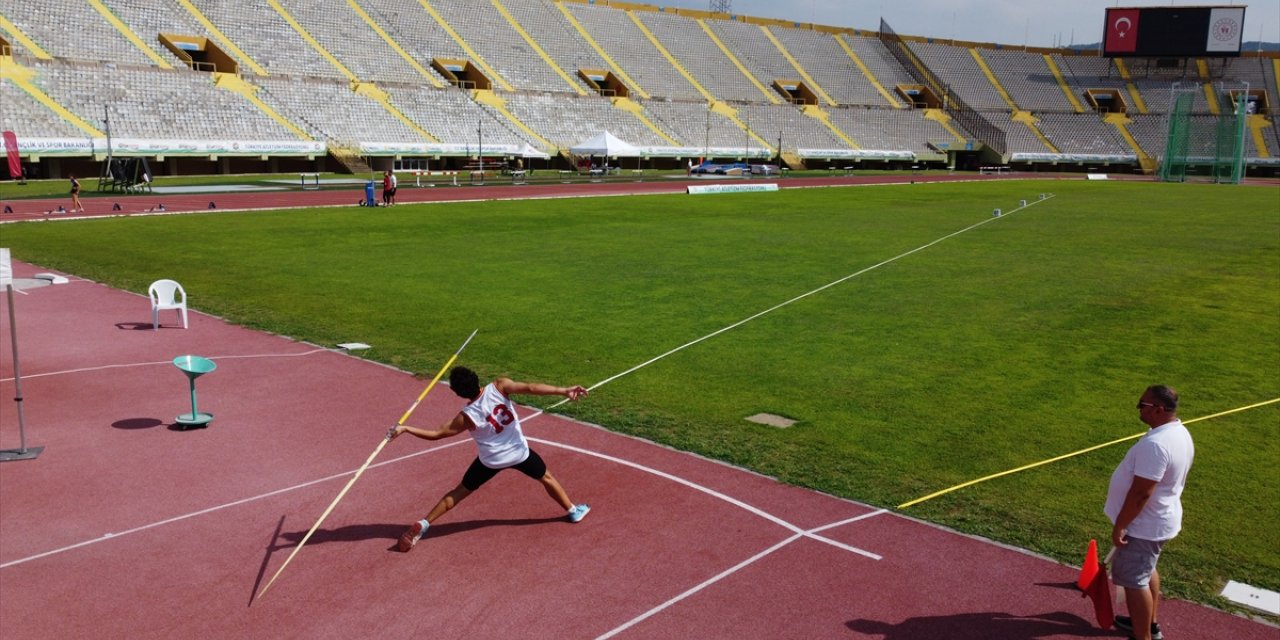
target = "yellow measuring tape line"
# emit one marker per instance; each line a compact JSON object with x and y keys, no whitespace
{"x":1072,"y":454}
{"x":363,"y":467}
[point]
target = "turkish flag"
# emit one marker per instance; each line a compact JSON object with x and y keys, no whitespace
{"x":1122,"y":31}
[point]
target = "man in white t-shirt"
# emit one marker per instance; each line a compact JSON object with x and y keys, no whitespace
{"x":1144,"y":501}
{"x":491,"y":419}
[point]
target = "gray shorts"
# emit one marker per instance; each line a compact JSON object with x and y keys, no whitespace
{"x":1133,"y":563}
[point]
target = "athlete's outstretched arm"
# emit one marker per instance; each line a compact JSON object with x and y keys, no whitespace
{"x":509,"y":387}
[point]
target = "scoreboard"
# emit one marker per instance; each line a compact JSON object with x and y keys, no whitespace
{"x":1173,"y":32}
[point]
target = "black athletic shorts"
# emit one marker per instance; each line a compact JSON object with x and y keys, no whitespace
{"x":478,"y":474}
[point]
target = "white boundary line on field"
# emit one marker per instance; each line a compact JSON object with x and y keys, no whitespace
{"x":798,"y":298}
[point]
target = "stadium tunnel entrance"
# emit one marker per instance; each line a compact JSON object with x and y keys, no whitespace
{"x":199,"y":53}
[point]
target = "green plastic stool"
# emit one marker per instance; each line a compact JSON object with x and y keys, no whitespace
{"x":194,"y":367}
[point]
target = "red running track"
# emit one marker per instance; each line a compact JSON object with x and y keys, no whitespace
{"x":126,"y":528}
{"x":45,"y":209}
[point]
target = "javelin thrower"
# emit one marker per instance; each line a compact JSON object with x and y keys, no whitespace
{"x":490,"y":417}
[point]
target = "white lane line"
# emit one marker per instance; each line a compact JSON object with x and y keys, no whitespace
{"x":152,"y":364}
{"x":708,"y":582}
{"x":734,"y":569}
{"x":797,"y":530}
{"x":716,"y":494}
{"x":112,"y":536}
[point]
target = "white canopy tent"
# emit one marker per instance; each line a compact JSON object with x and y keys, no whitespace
{"x":605,"y":144}
{"x":529,"y":152}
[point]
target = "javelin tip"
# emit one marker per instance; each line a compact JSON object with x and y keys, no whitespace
{"x":465,"y":343}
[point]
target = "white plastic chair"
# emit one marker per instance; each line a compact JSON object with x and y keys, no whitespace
{"x":167,"y":294}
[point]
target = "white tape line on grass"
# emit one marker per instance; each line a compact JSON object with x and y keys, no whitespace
{"x":796,"y":299}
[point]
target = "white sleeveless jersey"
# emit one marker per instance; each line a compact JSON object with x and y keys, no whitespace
{"x":496,"y":429}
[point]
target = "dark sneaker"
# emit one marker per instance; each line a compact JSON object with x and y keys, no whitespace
{"x":1125,"y":623}
{"x":410,"y":537}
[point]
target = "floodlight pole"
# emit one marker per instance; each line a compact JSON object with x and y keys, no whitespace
{"x":105,"y":174}
{"x":706,"y":140}
{"x":23,"y":453}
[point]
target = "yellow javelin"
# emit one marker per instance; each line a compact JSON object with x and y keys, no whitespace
{"x":1069,"y":455}
{"x":366,"y":464}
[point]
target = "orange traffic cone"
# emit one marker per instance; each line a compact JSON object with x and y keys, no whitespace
{"x":1090,"y":568}
{"x":1097,"y":586}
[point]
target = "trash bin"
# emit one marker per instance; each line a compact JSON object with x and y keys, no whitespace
{"x":369,"y":200}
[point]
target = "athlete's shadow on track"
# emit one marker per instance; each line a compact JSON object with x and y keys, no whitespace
{"x":354,"y":532}
{"x":984,"y":626}
{"x":349,"y":533}
{"x":287,"y":540}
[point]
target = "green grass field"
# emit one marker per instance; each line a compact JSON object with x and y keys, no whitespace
{"x":1022,"y":339}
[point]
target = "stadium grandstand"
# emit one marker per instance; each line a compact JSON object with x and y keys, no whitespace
{"x":233,"y":86}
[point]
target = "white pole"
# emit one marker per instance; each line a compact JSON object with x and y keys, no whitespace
{"x":24,"y":453}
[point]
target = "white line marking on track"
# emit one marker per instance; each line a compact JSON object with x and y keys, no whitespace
{"x":706,"y":583}
{"x":720,"y":496}
{"x":111,"y":536}
{"x":152,"y":364}
{"x":797,"y":530}
{"x":732,"y":570}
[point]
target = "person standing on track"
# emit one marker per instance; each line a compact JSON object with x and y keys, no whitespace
{"x":75,"y":195}
{"x":386,"y":188}
{"x":1144,"y":501}
{"x":491,"y":419}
